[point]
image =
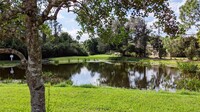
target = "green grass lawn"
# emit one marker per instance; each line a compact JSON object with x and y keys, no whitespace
{"x":9,"y":63}
{"x":103,"y":57}
{"x":15,"y":98}
{"x":153,"y":61}
{"x":79,"y":59}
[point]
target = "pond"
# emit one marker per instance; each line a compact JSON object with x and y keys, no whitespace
{"x":125,"y":75}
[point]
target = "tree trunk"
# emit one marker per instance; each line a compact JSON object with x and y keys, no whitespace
{"x":34,"y":64}
{"x":170,"y":55}
{"x":34,"y":72}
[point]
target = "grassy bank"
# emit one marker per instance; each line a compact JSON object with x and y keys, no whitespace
{"x":153,"y":61}
{"x":15,"y":98}
{"x":82,"y":59}
{"x":9,"y":63}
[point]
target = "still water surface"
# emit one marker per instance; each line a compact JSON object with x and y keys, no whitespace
{"x":126,"y":75}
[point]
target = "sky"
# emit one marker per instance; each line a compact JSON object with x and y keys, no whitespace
{"x":69,"y":24}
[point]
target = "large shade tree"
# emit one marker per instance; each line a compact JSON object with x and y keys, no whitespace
{"x":23,"y":19}
{"x":141,"y":36}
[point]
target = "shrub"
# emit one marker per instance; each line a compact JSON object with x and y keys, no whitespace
{"x":65,"y":83}
{"x":62,"y":84}
{"x":189,"y":84}
{"x":69,"y":82}
{"x":87,"y":86}
{"x":187,"y":67}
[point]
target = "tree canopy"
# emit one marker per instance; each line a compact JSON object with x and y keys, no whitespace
{"x":190,"y":13}
{"x":102,"y":13}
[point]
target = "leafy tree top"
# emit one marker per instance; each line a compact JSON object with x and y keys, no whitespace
{"x":93,"y":15}
{"x":190,"y":13}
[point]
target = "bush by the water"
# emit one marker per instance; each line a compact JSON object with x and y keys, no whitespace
{"x":190,"y":72}
{"x":192,"y":84}
{"x":187,"y":67}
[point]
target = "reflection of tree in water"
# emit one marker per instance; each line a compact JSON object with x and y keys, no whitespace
{"x":158,"y":77}
{"x":115,"y":75}
{"x":164,"y":77}
{"x":18,"y":73}
{"x":133,"y":76}
{"x":152,"y":77}
{"x":128,"y":75}
{"x":141,"y":81}
{"x":63,"y":71}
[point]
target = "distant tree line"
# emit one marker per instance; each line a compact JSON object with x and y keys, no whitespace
{"x":131,"y":39}
{"x":63,"y":45}
{"x":135,"y":39}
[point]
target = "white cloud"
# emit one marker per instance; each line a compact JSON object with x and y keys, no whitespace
{"x":175,"y":5}
{"x":193,"y":30}
{"x":60,"y":16}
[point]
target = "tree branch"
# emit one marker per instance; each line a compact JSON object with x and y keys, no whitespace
{"x":52,"y":4}
{"x":12,"y":51}
{"x":46,"y":12}
{"x":54,"y":16}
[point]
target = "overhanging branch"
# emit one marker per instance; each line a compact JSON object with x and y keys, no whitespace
{"x":58,"y":4}
{"x":13,"y":51}
{"x":54,"y":16}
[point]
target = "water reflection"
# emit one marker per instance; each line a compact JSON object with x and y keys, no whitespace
{"x":126,"y":75}
{"x":12,"y":73}
{"x":85,"y":77}
{"x":155,"y":77}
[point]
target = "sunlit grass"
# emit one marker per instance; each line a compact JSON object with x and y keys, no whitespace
{"x":104,"y":57}
{"x":153,"y":61}
{"x":15,"y":98}
{"x":9,"y":63}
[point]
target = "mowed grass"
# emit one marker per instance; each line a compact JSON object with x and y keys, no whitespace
{"x":101,"y":56}
{"x":104,"y":57}
{"x":81,"y":59}
{"x":9,"y":63}
{"x":91,"y":57}
{"x":15,"y":98}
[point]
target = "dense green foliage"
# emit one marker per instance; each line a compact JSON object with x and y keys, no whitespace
{"x":189,"y":13}
{"x":63,"y":45}
{"x":187,"y":67}
{"x":97,"y":17}
{"x":124,"y":38}
{"x":144,"y":46}
{"x":192,"y":84}
{"x":191,"y":77}
{"x":73,"y":99}
{"x":182,"y":47}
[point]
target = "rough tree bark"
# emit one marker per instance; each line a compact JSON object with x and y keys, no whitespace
{"x":33,"y":20}
{"x":34,"y":72}
{"x":34,"y":63}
